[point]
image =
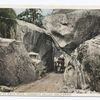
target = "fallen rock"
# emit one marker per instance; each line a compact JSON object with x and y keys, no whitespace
{"x":15,"y":64}
{"x":5,"y":89}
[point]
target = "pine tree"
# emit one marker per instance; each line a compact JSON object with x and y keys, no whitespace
{"x":32,"y":16}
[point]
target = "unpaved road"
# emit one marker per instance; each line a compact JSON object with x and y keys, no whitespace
{"x":51,"y":83}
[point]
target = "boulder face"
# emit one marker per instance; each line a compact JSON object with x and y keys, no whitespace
{"x":42,"y":44}
{"x":71,"y":28}
{"x":84,"y":66}
{"x":77,"y":32}
{"x":35,"y":39}
{"x":15,"y":64}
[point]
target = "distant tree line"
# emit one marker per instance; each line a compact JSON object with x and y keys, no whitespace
{"x":32,"y":16}
{"x":8,"y":20}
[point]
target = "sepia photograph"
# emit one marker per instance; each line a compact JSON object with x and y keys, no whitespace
{"x":53,"y":52}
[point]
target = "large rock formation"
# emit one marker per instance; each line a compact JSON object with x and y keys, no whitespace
{"x":70,"y":29}
{"x":73,"y":27}
{"x":83,"y":70}
{"x":15,"y":65}
{"x":36,"y":40}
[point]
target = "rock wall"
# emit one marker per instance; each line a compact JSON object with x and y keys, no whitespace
{"x":72,"y":28}
{"x":77,"y":33}
{"x":15,"y":64}
{"x":37,"y":40}
{"x":84,"y":66}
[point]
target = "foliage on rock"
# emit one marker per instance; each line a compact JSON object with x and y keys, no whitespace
{"x":7,"y":22}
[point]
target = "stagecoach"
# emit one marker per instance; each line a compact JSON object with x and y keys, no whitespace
{"x":59,"y":64}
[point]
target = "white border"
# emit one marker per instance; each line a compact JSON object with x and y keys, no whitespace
{"x":49,"y":4}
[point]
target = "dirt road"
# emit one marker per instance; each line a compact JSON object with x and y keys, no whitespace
{"x":51,"y":83}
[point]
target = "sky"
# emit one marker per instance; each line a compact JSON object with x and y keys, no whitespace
{"x":45,"y":11}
